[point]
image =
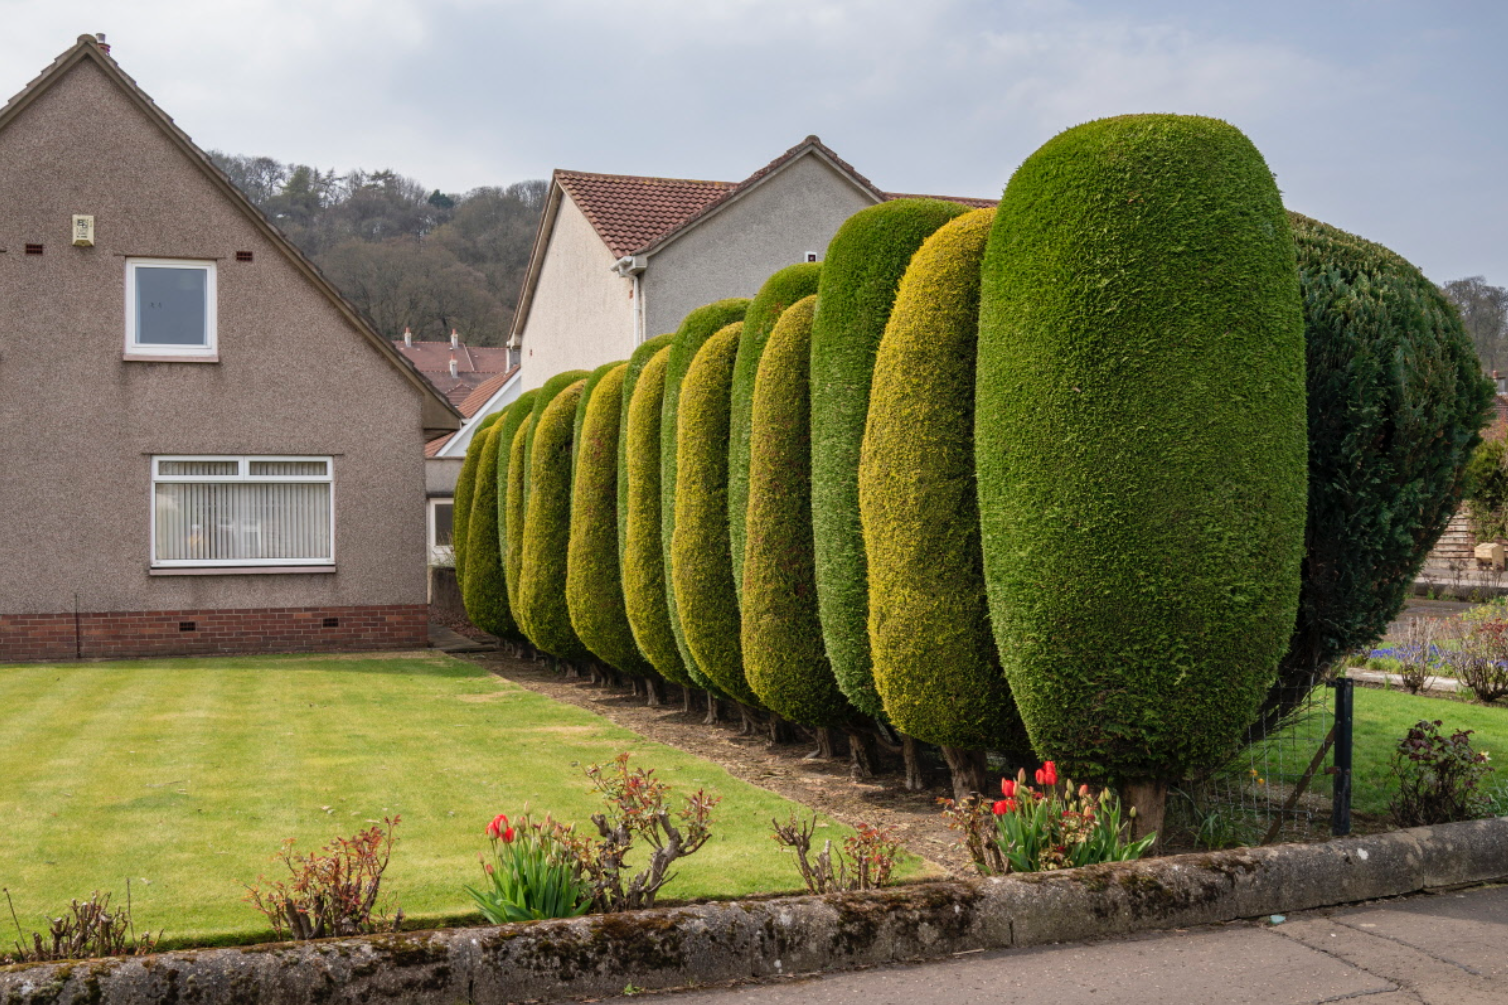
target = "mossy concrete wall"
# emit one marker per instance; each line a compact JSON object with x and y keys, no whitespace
{"x":673,"y":947}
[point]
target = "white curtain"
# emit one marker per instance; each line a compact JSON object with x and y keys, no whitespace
{"x":244,"y":522}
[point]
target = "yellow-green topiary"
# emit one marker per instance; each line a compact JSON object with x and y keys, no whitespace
{"x":700,"y":325}
{"x":701,"y":566}
{"x":465,"y":489}
{"x":510,"y":486}
{"x":636,"y":363}
{"x":864,"y":265}
{"x":592,"y":381}
{"x":782,"y":289}
{"x":785,"y":662}
{"x":935,"y":663}
{"x":484,"y":592}
{"x":542,"y":610}
{"x":543,"y":395}
{"x":594,"y":579}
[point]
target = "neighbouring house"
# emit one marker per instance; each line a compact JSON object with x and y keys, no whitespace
{"x":620,"y":259}
{"x":207,"y":449}
{"x":455,"y":368}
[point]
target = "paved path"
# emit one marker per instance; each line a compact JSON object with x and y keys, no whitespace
{"x":1440,"y":949}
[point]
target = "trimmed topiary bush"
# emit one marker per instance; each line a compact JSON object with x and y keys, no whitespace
{"x":698,"y":326}
{"x":935,"y":663}
{"x":594,"y":579}
{"x":636,"y":362}
{"x":784,"y":288}
{"x":510,"y":490}
{"x":592,"y":381}
{"x":701,"y":566}
{"x":865,"y":262}
{"x":785,"y":662}
{"x":485,"y":593}
{"x":1140,"y":445}
{"x":543,"y":395}
{"x":542,"y":610}
{"x":465,"y":489}
{"x":1396,"y":399}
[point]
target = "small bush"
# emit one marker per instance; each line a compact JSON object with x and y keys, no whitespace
{"x":87,"y":930}
{"x":1418,"y":656}
{"x":1487,"y":490}
{"x":332,"y":891}
{"x":1439,"y":777}
{"x":867,"y":861}
{"x":1481,"y":661}
{"x":532,"y":874}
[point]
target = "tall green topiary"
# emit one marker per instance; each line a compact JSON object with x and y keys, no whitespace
{"x":644,"y":592}
{"x":784,"y":288}
{"x":698,"y":326}
{"x":510,"y":498}
{"x":865,"y":262}
{"x":465,"y":488}
{"x":484,"y":592}
{"x":785,"y":662}
{"x":1140,"y":449}
{"x":542,"y":609}
{"x":637,"y":361}
{"x":594,"y":578}
{"x":543,"y":395}
{"x":701,"y":566}
{"x":592,"y":381}
{"x":935,"y":663}
{"x":1396,"y":398}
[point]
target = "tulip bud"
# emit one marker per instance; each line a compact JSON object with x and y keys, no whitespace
{"x":1084,"y":790}
{"x":1041,"y":777}
{"x":1007,"y":787}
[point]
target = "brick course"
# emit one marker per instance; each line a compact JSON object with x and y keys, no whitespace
{"x":120,"y":634}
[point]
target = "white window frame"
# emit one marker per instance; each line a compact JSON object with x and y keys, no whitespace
{"x":210,"y":348}
{"x":242,"y":476}
{"x":442,"y":555}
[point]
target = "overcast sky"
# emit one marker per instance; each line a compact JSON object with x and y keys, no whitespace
{"x":1382,"y":117}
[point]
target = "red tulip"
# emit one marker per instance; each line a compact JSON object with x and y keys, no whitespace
{"x":1007,"y":787}
{"x":999,"y":808}
{"x":495,"y":829}
{"x":1051,"y":771}
{"x":507,"y":835}
{"x":1041,"y":777}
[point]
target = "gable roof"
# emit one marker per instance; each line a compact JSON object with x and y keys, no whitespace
{"x":438,"y":413}
{"x":628,"y":211}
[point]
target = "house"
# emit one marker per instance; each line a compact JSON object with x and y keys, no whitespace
{"x":620,"y":259}
{"x":454,"y":368}
{"x":177,"y":477}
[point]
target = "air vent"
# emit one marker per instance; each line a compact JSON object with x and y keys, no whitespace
{"x":243,"y":256}
{"x":33,"y":249}
{"x":811,"y":256}
{"x":187,"y":626}
{"x":332,"y":622}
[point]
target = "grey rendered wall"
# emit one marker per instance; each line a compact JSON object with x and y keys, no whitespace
{"x":734,"y":252}
{"x":78,"y":425}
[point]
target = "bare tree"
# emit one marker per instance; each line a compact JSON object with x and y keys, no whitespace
{"x":1484,"y":312}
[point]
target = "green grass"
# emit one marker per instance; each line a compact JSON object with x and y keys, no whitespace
{"x":186,"y":776}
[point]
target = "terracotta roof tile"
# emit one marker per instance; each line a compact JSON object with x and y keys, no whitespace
{"x":433,"y":447}
{"x":434,"y":357}
{"x":473,"y":402}
{"x":630,"y":212}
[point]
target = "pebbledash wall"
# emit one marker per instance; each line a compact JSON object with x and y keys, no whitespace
{"x":80,"y":425}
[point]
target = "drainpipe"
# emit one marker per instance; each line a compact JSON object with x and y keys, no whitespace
{"x":632,"y":267}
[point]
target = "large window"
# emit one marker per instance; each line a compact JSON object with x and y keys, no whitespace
{"x":242,"y":511}
{"x":170,"y":307}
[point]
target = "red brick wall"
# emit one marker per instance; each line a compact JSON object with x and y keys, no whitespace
{"x":47,"y":637}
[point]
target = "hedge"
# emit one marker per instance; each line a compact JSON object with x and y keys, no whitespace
{"x":542,"y":610}
{"x":935,"y":663}
{"x":701,"y":567}
{"x":543,"y":396}
{"x":784,"y":288}
{"x":1140,"y":442}
{"x":484,"y":592}
{"x":865,"y":262}
{"x":785,"y":661}
{"x":594,"y":580}
{"x":698,"y":326}
{"x":596,"y":377}
{"x":637,"y":361}
{"x":644,"y":591}
{"x":1396,"y":398}
{"x":510,"y":489}
{"x":465,"y":489}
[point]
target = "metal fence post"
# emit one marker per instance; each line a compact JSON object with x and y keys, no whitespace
{"x":1340,"y":806}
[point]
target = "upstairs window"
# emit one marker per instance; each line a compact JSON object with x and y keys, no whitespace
{"x":170,"y":307}
{"x":242,"y":511}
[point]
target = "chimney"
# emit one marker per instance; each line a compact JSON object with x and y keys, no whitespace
{"x":408,"y":338}
{"x":455,"y":340}
{"x":100,"y":38}
{"x":453,"y":372}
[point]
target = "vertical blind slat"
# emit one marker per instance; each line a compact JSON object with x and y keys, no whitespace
{"x":243,"y":522}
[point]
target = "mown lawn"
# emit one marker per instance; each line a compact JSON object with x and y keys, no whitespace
{"x":186,"y":776}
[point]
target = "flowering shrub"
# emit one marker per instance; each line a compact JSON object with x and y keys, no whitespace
{"x":1439,"y":777}
{"x":868,"y":858}
{"x":1044,"y":826}
{"x":88,"y":929}
{"x":332,"y":891}
{"x":532,"y":873}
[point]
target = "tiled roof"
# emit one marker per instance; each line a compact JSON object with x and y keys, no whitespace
{"x":434,"y":357}
{"x":473,"y":402}
{"x":629,"y":212}
{"x":433,"y":447}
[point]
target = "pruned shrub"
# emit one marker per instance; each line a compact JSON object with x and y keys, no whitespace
{"x":330,"y":892}
{"x":485,"y":592}
{"x":867,"y":861}
{"x":785,"y":662}
{"x":1487,"y":490}
{"x":698,"y":326}
{"x":1395,"y":400}
{"x":542,"y":397}
{"x":637,"y":361}
{"x":1140,"y":445}
{"x":1440,"y":778}
{"x":862,"y":270}
{"x":781,"y":290}
{"x":701,"y":565}
{"x":543,"y":613}
{"x":935,"y":664}
{"x":465,"y":489}
{"x":88,"y":929}
{"x":594,"y":578}
{"x":644,"y":592}
{"x":510,"y":490}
